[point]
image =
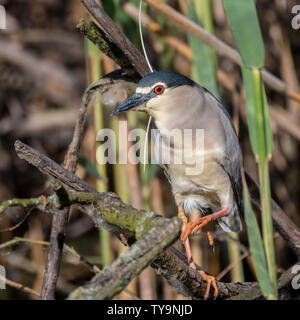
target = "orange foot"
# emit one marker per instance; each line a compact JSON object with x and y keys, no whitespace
{"x":211,"y":281}
{"x":194,"y":226}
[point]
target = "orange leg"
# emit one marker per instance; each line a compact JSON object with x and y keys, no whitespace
{"x":194,"y":227}
{"x":209,"y":236}
{"x":211,"y":281}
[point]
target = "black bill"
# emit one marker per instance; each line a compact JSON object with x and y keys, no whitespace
{"x":134,"y":101}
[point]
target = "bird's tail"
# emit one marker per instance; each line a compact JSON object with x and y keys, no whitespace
{"x":232,"y":222}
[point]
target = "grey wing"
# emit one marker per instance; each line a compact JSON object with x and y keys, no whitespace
{"x":231,"y":165}
{"x":233,"y":222}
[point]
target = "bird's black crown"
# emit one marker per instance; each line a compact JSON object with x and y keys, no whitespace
{"x":170,"y":78}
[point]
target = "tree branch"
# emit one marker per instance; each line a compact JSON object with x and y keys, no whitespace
{"x":136,"y":59}
{"x":282,"y":223}
{"x":104,"y":43}
{"x":18,"y":286}
{"x":114,"y":278}
{"x":133,"y":224}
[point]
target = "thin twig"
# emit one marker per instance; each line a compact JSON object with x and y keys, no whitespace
{"x":19,"y":286}
{"x":232,"y":265}
{"x":67,"y":250}
{"x":285,"y":121}
{"x":282,"y":222}
{"x":19,"y":239}
{"x":38,"y":123}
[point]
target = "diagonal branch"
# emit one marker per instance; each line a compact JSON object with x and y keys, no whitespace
{"x":282,"y":222}
{"x":105,"y":44}
{"x":51,"y":168}
{"x":116,"y":277}
{"x":136,"y":59}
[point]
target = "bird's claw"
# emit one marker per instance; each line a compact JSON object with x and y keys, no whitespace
{"x":194,"y":227}
{"x":211,"y":281}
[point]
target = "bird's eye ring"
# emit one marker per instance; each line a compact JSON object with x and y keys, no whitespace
{"x":159,"y":89}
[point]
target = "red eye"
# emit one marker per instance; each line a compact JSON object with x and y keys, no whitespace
{"x":159,"y":89}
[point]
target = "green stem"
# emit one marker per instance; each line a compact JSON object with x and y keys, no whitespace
{"x":204,"y":9}
{"x":94,"y":67}
{"x":264,"y":180}
{"x":119,"y":170}
{"x":237,"y":272}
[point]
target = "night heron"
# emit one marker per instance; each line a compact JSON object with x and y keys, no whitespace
{"x":215,"y":194}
